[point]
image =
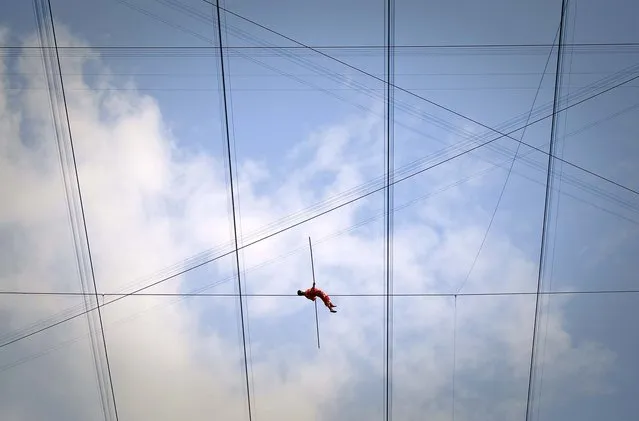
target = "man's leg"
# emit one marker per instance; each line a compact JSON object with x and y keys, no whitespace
{"x":327,"y":303}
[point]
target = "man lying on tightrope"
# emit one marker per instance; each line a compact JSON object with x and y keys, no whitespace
{"x":313,"y":292}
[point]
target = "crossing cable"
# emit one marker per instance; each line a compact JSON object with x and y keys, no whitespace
{"x":82,"y":212}
{"x":230,"y":165}
{"x":512,"y":164}
{"x":248,"y":57}
{"x":193,"y":13}
{"x":388,"y":203}
{"x":244,"y":35}
{"x":606,"y":45}
{"x":205,"y":255}
{"x":333,"y":235}
{"x":544,"y":229}
{"x":422,"y":98}
{"x":395,"y":294}
{"x":317,"y":215}
{"x":217,"y":295}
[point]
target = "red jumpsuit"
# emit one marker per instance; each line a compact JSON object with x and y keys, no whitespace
{"x":313,"y":292}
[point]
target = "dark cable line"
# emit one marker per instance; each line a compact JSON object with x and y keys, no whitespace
{"x":388,"y":166}
{"x":54,"y":92}
{"x":68,"y":342}
{"x":261,"y":89}
{"x":191,"y":74}
{"x":62,"y":146}
{"x":239,"y":214}
{"x":325,"y":47}
{"x":319,"y":214}
{"x":265,"y":75}
{"x":395,"y":294}
{"x":207,"y":21}
{"x":364,"y":72}
{"x":236,"y":251}
{"x":512,"y":164}
{"x":270,"y":50}
{"x":430,"y":295}
{"x":554,"y":241}
{"x":544,"y":229}
{"x":82,"y":212}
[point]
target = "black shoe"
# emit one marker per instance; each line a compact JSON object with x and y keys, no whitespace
{"x":333,"y":311}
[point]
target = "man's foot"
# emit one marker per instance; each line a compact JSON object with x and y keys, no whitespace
{"x":332,"y":311}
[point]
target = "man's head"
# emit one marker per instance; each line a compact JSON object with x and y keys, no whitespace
{"x":300,"y":292}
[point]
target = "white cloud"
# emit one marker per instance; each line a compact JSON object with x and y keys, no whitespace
{"x":149,"y":205}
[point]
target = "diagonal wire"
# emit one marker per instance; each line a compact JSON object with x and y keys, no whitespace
{"x":319,"y":214}
{"x":193,"y":13}
{"x":338,"y":233}
{"x":82,"y":212}
{"x":315,"y":68}
{"x":236,"y":251}
{"x":512,"y":164}
{"x":201,"y":256}
{"x":411,"y":93}
{"x":239,"y":203}
{"x":241,"y":235}
{"x":55,"y":98}
{"x":544,"y":229}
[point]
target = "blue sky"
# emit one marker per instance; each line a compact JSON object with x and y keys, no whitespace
{"x":307,"y":134}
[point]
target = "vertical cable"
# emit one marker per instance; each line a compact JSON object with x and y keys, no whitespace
{"x":230,"y":165}
{"x":388,"y":203}
{"x":82,"y":212}
{"x":239,"y":213}
{"x":554,"y":243}
{"x":545,"y":222}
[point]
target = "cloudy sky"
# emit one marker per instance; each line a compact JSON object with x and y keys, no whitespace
{"x":142,"y":88}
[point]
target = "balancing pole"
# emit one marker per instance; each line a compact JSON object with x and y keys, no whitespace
{"x":310,"y":247}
